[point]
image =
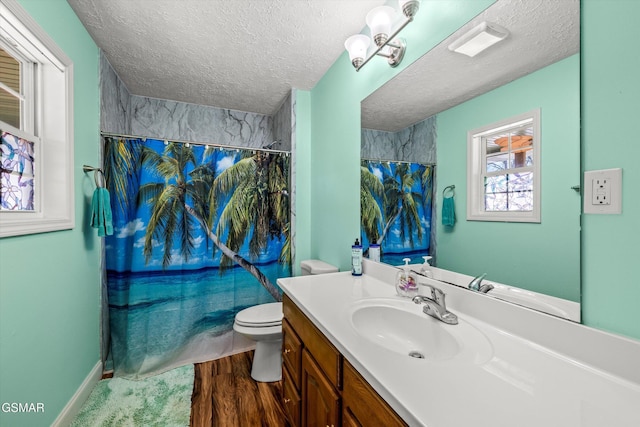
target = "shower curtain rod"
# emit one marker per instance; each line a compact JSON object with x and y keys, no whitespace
{"x":395,"y":161}
{"x":206,"y":144}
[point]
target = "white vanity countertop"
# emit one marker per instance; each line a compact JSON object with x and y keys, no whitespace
{"x":522,"y":381}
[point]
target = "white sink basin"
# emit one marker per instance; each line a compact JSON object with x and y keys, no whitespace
{"x":400,"y":326}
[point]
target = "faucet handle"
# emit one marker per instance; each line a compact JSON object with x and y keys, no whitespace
{"x":475,"y":284}
{"x":438,"y":296}
{"x":435,"y":294}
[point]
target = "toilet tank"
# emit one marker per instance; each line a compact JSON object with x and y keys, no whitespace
{"x":315,"y":266}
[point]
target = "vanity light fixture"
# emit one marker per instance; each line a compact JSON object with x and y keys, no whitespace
{"x":478,"y":39}
{"x":380,"y":21}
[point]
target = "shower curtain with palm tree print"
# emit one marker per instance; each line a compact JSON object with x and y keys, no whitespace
{"x":200,"y":234}
{"x":395,"y":209}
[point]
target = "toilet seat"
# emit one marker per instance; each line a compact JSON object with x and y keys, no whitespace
{"x":260,"y":316}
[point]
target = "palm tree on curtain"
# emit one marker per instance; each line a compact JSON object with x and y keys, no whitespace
{"x":181,"y":194}
{"x":402,"y":203}
{"x":427,"y":197}
{"x":371,"y":190}
{"x":427,"y":187}
{"x":123,"y":160}
{"x":258,"y":206}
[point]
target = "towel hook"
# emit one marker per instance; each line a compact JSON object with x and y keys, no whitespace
{"x":449,"y":187}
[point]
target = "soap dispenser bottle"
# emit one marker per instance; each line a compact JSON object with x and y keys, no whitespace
{"x":356,"y":258}
{"x":425,"y":270}
{"x":406,"y":281}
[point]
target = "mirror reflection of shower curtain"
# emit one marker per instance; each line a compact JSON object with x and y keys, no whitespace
{"x":396,"y":209}
{"x":200,"y":234}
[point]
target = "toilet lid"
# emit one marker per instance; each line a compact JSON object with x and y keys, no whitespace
{"x":261,"y":315}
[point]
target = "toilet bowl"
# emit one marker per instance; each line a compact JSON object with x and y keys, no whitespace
{"x":263,"y":324}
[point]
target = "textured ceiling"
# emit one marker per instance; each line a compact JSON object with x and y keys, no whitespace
{"x":541,"y":32}
{"x":238,"y":54}
{"x":247,"y":54}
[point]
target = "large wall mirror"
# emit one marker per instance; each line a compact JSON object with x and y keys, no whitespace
{"x":415,"y":128}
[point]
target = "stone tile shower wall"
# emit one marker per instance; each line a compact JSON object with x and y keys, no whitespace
{"x":164,"y":119}
{"x":416,"y":143}
{"x":115,"y":100}
{"x":122,"y":112}
{"x":283,"y":122}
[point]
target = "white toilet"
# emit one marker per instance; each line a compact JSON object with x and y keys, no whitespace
{"x":263,"y":324}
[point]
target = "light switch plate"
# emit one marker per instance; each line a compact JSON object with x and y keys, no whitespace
{"x":603,"y":191}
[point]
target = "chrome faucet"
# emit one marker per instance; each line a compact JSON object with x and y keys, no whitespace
{"x":476,"y":284}
{"x":435,"y":306}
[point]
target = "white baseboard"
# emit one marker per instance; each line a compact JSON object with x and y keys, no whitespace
{"x":74,"y":405}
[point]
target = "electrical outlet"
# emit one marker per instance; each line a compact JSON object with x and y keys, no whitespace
{"x":603,"y":191}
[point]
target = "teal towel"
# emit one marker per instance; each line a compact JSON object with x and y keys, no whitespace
{"x":448,"y":211}
{"x":101,"y":212}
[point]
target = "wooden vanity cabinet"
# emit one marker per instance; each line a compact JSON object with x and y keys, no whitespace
{"x":316,"y":390}
{"x":312,"y":371}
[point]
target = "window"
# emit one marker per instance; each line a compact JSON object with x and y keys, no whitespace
{"x":503,"y":170}
{"x":12,"y":86}
{"x":36,"y":127}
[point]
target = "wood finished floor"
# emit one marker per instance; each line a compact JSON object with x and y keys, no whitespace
{"x":225,"y":395}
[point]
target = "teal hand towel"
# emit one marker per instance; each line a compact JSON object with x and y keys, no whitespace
{"x":101,"y":217}
{"x":448,"y":212}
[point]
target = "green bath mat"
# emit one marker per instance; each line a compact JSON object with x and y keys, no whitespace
{"x":161,"y":400}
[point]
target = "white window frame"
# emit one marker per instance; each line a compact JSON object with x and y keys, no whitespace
{"x":476,"y":164}
{"x":50,"y":126}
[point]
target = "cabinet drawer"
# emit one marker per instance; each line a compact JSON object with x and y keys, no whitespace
{"x":362,"y":405}
{"x":291,"y":399}
{"x":291,"y":352}
{"x":324,"y":353}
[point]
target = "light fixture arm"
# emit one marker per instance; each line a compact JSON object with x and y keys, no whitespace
{"x":398,"y":49}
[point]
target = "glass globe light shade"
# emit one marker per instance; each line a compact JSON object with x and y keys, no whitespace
{"x":379,"y":21}
{"x":357,"y":46}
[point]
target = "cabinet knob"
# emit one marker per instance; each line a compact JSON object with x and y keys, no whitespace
{"x":286,"y":400}
{"x":287,"y":350}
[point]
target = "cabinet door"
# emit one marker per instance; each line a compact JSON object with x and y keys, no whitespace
{"x":291,"y":399}
{"x":362,"y":406}
{"x":291,"y":352}
{"x":320,"y":401}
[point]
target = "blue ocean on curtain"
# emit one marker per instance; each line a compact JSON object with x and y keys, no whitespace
{"x":395,"y":209}
{"x":200,"y":234}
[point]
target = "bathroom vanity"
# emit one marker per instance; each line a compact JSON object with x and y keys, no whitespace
{"x":320,"y":386}
{"x":354,"y":353}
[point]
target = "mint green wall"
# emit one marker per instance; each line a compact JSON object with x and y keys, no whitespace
{"x":335,"y":128}
{"x":541,"y":257}
{"x":49,"y":283}
{"x":610,"y":96}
